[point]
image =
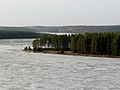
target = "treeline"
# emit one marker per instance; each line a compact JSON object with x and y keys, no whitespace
{"x":88,"y":43}
{"x":9,"y":34}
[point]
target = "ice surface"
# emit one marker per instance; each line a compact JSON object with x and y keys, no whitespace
{"x":37,"y":71}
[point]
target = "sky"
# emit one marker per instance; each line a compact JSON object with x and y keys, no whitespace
{"x":59,"y":12}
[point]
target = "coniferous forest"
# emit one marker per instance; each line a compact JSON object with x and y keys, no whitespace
{"x":88,"y":43}
{"x":9,"y":34}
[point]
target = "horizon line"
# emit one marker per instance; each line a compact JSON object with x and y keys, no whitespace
{"x":60,"y":25}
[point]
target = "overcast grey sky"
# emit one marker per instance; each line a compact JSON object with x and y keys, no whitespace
{"x":59,"y":12}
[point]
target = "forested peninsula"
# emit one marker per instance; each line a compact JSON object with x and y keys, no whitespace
{"x":9,"y":34}
{"x":95,"y":44}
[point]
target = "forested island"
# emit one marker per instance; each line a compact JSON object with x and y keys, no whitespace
{"x":10,"y":34}
{"x":95,"y":44}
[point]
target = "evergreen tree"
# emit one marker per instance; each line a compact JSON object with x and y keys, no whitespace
{"x":116,"y":45}
{"x":73,"y":43}
{"x":94,"y":44}
{"x":87,"y":43}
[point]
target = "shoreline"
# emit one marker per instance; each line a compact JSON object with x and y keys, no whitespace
{"x":76,"y":54}
{"x":71,"y":53}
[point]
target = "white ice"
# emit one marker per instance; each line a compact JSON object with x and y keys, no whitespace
{"x":37,"y":71}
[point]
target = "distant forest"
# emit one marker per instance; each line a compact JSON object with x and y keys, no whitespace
{"x":89,"y":43}
{"x":9,"y":34}
{"x":66,"y":29}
